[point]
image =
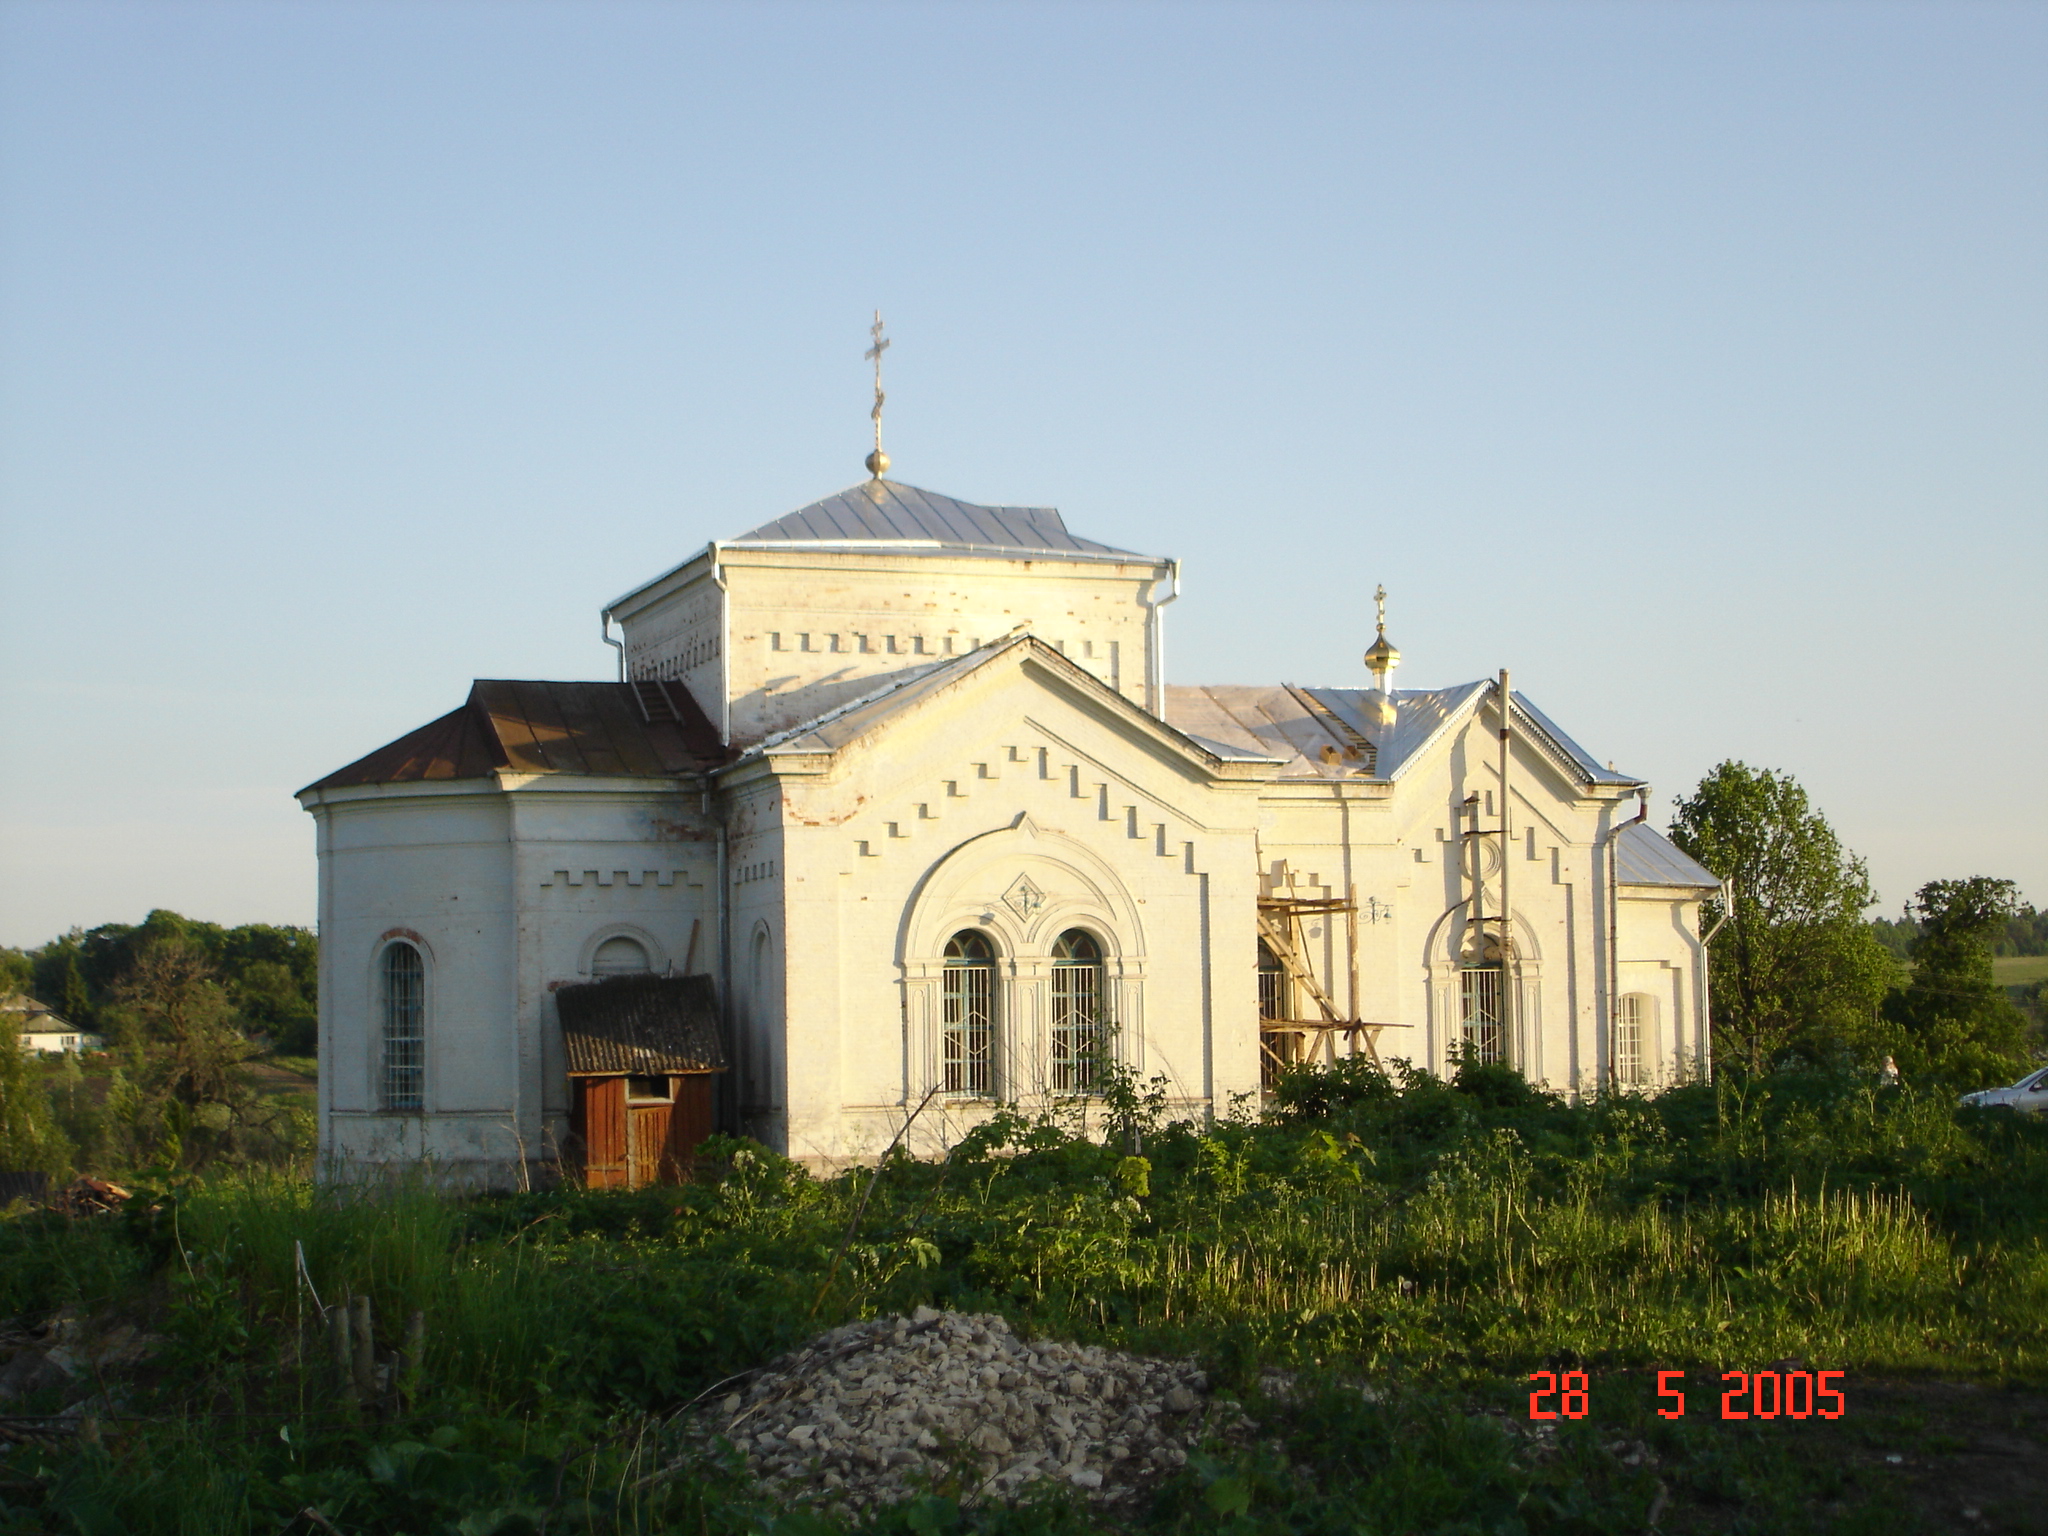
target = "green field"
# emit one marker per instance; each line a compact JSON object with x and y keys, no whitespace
{"x":2019,"y":970}
{"x":1437,"y":1243}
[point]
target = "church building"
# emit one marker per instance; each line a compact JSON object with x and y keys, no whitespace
{"x":900,"y":782}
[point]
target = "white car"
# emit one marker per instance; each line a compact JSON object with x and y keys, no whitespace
{"x":2029,"y":1095}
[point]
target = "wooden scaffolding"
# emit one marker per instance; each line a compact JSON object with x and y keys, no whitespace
{"x":1284,"y":1039}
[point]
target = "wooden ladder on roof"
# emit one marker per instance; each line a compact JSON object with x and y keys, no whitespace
{"x":655,"y":701}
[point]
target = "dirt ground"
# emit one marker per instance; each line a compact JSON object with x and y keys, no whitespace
{"x":1958,"y":1456}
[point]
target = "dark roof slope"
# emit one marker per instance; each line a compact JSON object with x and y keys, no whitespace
{"x":642,"y":1024}
{"x":634,"y":730}
{"x":886,"y":511}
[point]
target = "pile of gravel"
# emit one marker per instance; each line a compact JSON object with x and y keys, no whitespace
{"x":868,"y":1413}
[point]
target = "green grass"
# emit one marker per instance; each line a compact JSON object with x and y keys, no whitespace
{"x":1439,"y":1242}
{"x":2019,"y":970}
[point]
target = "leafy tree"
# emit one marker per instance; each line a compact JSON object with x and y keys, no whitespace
{"x":1797,"y":972}
{"x":59,"y":980}
{"x":175,"y":1022}
{"x":29,"y":1139}
{"x":17,"y":971}
{"x":1957,"y":1023}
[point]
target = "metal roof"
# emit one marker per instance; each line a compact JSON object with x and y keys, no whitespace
{"x":846,"y":723}
{"x":1644,"y":856}
{"x":642,"y":1024}
{"x":632,"y":730}
{"x":898,"y":516}
{"x":1334,"y":733}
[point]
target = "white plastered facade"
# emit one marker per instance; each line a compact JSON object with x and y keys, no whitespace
{"x":927,"y":742}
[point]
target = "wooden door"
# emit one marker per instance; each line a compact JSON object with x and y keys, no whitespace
{"x":647,"y":1137}
{"x":600,"y":1120}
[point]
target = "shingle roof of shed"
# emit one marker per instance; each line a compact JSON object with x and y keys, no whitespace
{"x":889,"y":512}
{"x":608,"y":729}
{"x":641,"y":1024}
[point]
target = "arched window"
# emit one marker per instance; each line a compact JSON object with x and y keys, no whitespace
{"x":1481,"y":990}
{"x":1631,"y":1023}
{"x":1079,"y":1039}
{"x":619,"y":956}
{"x":1273,"y":998}
{"x":403,"y":977}
{"x":968,"y":1048}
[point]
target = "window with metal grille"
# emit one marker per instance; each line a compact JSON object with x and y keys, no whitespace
{"x":1628,"y":1039}
{"x":1480,"y":991}
{"x":1078,"y":1038}
{"x":1273,"y":999}
{"x":968,"y":1047}
{"x":404,"y":976}
{"x":619,"y":956}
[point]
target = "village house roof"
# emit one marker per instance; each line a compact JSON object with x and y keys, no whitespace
{"x":631,"y":730}
{"x":640,"y":1025}
{"x":888,"y":514}
{"x":26,"y":1014}
{"x":1334,"y":733}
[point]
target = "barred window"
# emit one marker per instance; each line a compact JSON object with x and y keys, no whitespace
{"x":967,"y":1051}
{"x":1273,"y":999}
{"x":1628,"y":1039}
{"x":619,"y":956}
{"x":1078,"y":1036}
{"x":1480,"y":992}
{"x":404,"y":976}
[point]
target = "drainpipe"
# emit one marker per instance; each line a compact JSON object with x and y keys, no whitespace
{"x":724,"y":648}
{"x":1155,"y":639}
{"x":604,"y":620}
{"x":1703,"y":1003}
{"x":1614,"y":921}
{"x":725,"y":1010}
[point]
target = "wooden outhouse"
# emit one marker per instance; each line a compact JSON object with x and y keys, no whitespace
{"x":642,"y":1051}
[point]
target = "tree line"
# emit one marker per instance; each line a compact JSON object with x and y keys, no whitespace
{"x":183,"y":1006}
{"x":1799,"y":976}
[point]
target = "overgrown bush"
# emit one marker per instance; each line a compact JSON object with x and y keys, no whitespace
{"x":1379,"y":1223}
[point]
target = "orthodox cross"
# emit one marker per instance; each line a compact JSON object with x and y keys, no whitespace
{"x":878,"y":461}
{"x":1379,"y":598}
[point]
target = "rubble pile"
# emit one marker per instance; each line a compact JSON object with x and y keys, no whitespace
{"x":872,"y":1411}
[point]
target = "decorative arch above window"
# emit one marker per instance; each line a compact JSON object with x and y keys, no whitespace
{"x":402,"y":1003}
{"x":968,"y":1024}
{"x":620,"y":956}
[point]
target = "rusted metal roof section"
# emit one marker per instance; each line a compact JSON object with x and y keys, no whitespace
{"x":609,"y":729}
{"x":640,"y":1025}
{"x":889,"y":513}
{"x":1644,"y":856}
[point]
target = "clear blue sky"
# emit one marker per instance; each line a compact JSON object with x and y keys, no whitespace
{"x":1688,"y":359}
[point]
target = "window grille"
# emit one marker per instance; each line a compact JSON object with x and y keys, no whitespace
{"x":1481,"y":989}
{"x":619,"y":956}
{"x":1628,"y":1040}
{"x":405,"y":1028}
{"x":969,"y":1017}
{"x":1273,"y":999}
{"x":1078,"y":1038}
